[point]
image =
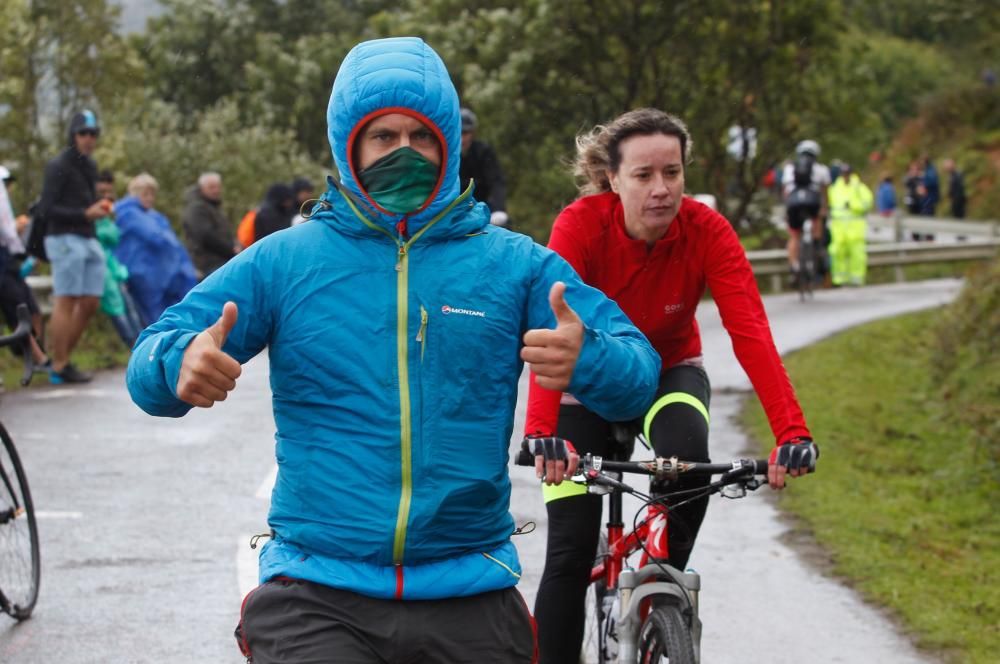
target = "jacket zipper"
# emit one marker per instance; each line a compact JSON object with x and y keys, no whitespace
{"x":422,"y":332}
{"x":402,"y":364}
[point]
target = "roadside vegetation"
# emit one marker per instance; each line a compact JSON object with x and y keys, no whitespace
{"x":907,"y":414}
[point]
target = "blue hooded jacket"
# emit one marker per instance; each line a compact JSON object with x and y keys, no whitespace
{"x":395,"y":360}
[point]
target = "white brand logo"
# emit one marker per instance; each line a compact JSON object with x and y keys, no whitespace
{"x":673,"y":308}
{"x":465,"y":312}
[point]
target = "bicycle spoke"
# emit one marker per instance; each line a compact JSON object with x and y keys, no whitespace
{"x":19,"y":572}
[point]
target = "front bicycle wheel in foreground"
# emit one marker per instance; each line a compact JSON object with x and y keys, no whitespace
{"x":20,"y":569}
{"x":665,"y":637}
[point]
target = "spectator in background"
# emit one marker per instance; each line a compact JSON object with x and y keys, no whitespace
{"x":207,"y":231}
{"x":116,"y":301}
{"x":850,"y":199}
{"x":70,"y":207}
{"x":956,"y":188}
{"x":276,"y":212}
{"x":13,"y":289}
{"x":160,"y":271}
{"x":932,"y":187}
{"x":914,"y":186}
{"x":480,"y":164}
{"x":303,"y":190}
{"x":885,"y":196}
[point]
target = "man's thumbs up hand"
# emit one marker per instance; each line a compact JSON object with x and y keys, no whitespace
{"x":552,"y":354}
{"x":220,"y":331}
{"x":208,"y":374}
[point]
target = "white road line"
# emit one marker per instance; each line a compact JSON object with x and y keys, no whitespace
{"x":264,"y":490}
{"x":45,"y":514}
{"x":247,"y":567}
{"x":247,"y":559}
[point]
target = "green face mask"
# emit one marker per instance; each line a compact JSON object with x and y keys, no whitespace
{"x":401,"y":181}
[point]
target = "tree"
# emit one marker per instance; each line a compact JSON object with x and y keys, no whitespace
{"x":21,"y":144}
{"x":58,"y":56}
{"x":538,"y":71}
{"x":154,"y":137}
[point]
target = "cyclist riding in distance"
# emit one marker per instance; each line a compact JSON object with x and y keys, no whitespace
{"x":634,"y":235}
{"x":804,"y":183}
{"x":396,"y":322}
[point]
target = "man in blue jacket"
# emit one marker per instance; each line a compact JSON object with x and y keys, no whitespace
{"x":397,"y":322}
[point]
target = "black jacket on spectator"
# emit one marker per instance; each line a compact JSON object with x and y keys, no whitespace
{"x":207,"y":233}
{"x":67,"y":191}
{"x":275,"y":212}
{"x":480,"y":163}
{"x":956,"y":192}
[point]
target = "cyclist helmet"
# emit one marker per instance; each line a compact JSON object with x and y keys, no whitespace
{"x":809,"y":147}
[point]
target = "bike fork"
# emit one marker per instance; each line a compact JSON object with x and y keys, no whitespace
{"x":636,"y":586}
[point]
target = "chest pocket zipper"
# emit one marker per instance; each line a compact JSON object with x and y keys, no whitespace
{"x":422,"y":332}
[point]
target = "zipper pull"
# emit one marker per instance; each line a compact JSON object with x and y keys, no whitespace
{"x":400,"y":257}
{"x":423,"y":324}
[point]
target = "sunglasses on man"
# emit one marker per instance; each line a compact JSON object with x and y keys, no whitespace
{"x":88,"y":132}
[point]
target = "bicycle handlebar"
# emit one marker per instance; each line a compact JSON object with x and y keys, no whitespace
{"x":20,"y":334}
{"x":591,"y":466}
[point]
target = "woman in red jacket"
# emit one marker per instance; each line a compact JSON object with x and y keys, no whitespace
{"x":635,"y":236}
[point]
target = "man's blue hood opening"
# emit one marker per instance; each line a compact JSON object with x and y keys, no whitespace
{"x":396,"y":75}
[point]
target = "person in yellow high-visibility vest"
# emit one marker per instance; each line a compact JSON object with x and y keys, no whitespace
{"x":849,"y":200}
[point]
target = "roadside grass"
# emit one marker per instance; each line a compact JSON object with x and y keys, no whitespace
{"x":99,"y":348}
{"x":905,"y":495}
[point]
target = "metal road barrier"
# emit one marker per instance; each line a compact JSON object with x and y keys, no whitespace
{"x":902,"y":225}
{"x":774,"y":262}
{"x":41,"y":286}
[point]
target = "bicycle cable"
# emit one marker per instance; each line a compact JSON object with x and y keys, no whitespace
{"x":700,"y":492}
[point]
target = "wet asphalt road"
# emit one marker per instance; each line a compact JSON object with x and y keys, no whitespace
{"x":145,"y":522}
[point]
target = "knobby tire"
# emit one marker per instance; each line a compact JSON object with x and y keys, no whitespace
{"x":665,"y":637}
{"x":20,"y":567}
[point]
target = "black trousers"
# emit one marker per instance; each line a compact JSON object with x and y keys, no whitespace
{"x":290,"y":621}
{"x":679,"y":427}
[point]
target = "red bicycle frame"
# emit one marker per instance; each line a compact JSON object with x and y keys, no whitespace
{"x":652,"y":531}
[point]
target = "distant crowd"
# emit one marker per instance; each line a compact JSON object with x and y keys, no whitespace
{"x":121,"y":256}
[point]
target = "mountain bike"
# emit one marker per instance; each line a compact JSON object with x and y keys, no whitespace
{"x":648,"y":614}
{"x":20,"y":566}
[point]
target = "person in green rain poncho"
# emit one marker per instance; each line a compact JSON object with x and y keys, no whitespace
{"x":115,"y":301}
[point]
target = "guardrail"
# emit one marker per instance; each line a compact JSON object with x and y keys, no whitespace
{"x":41,"y":286}
{"x":902,"y":225}
{"x":774,"y":262}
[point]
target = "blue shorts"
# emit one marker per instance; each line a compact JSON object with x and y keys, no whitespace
{"x":78,"y":265}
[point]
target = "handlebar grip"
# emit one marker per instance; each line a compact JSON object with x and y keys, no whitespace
{"x":760,"y":467}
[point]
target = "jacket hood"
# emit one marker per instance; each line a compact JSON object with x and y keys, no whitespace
{"x":279,"y":194}
{"x":129,"y":204}
{"x":396,"y":75}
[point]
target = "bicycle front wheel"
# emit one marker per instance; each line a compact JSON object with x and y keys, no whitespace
{"x":665,"y":637}
{"x":599,"y":646}
{"x":20,"y":568}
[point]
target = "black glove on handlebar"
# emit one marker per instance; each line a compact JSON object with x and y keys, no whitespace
{"x":796,"y":454}
{"x":549,"y":447}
